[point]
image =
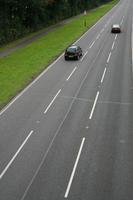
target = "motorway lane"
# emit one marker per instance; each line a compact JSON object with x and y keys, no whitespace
{"x":104,"y":25}
{"x":22,"y":116}
{"x":106,"y":167}
{"x":71,"y":129}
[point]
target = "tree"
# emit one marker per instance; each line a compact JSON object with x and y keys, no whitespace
{"x":19,"y":17}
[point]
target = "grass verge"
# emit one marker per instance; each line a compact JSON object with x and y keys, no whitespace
{"x":18,"y":69}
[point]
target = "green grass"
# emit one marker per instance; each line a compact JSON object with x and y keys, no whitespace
{"x":19,"y":68}
{"x":25,"y":38}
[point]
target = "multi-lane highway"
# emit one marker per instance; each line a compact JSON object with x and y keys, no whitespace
{"x":69,"y":134}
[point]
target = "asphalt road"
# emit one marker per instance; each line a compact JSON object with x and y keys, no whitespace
{"x":69,"y":134}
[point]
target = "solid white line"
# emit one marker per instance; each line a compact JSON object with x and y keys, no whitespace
{"x":96,"y":23}
{"x":74,"y":169}
{"x":103,"y":75}
{"x":113,"y":45}
{"x":109,"y":57}
{"x":58,"y":129}
{"x":30,"y":85}
{"x":71,"y":73}
{"x":84,"y":56}
{"x":52,"y":102}
{"x":13,"y":158}
{"x":92,"y":44}
{"x":94,"y":105}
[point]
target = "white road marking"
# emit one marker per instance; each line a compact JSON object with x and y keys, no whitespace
{"x":95,"y":24}
{"x":95,"y":40}
{"x":113,"y":45}
{"x":51,"y":143}
{"x":109,"y":21}
{"x":62,"y":122}
{"x":52,"y":102}
{"x":94,"y":105}
{"x":109,"y":57}
{"x":122,"y":21}
{"x":103,"y":75}
{"x":92,"y":44}
{"x":102,"y":30}
{"x":116,"y":36}
{"x":84,"y":56}
{"x":50,"y":66}
{"x":116,"y":102}
{"x":122,"y":141}
{"x":16,"y":154}
{"x":30,"y":85}
{"x":71,"y":74}
{"x":74,"y":169}
{"x":98,"y":36}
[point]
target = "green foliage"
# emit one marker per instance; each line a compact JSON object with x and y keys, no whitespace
{"x":20,"y":67}
{"x":19,"y":17}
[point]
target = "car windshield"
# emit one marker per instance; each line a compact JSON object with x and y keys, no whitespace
{"x":71,"y":49}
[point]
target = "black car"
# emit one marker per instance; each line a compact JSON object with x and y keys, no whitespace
{"x":73,"y":52}
{"x":116,"y":28}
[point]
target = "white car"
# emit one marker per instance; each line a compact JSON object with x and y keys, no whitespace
{"x":116,"y":28}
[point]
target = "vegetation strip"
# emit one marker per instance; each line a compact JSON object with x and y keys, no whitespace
{"x":21,"y":67}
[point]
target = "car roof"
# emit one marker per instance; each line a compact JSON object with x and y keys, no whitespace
{"x":116,"y":25}
{"x":73,"y":47}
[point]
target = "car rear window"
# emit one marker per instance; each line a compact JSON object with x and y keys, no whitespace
{"x":71,"y":50}
{"x":116,"y":26}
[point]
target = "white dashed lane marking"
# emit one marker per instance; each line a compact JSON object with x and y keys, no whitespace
{"x":52,"y":102}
